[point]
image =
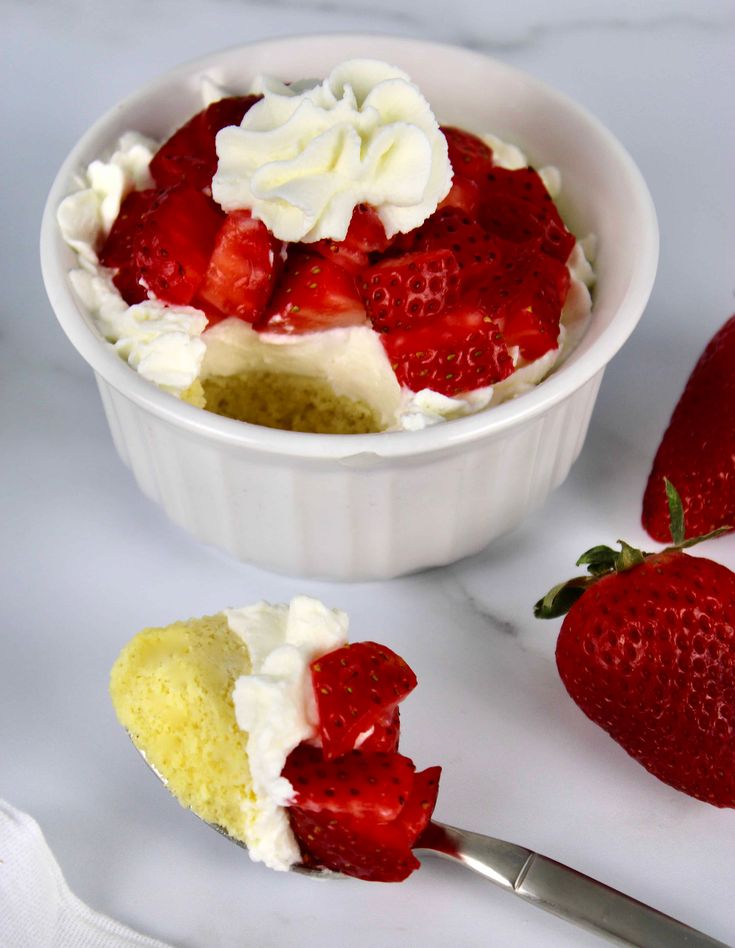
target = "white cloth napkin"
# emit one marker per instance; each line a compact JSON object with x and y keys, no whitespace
{"x":37,"y":908}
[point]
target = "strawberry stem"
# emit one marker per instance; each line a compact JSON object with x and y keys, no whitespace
{"x":603,"y":561}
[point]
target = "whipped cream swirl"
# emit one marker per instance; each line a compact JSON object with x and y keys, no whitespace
{"x":307,"y":153}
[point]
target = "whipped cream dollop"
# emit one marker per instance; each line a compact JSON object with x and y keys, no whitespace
{"x":275,"y":705}
{"x":307,"y":153}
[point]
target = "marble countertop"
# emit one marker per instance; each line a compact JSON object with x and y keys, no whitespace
{"x":89,"y":561}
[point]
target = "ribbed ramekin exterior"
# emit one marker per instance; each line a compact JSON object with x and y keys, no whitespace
{"x":358,"y":519}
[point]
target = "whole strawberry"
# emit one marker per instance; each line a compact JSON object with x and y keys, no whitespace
{"x":697,"y":452}
{"x":647,"y":651}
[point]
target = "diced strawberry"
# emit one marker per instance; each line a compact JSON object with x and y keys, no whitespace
{"x":525,"y":295}
{"x":459,"y":350}
{"x":475,"y":250}
{"x":312,"y":295}
{"x":415,"y":815}
{"x":469,"y":156}
{"x":357,"y":784}
{"x":189,"y":156}
{"x":354,"y":687}
{"x":349,"y":847}
{"x":117,"y":250}
{"x":464,"y":196}
{"x":365,"y":237}
{"x":385,"y":734}
{"x":516,"y":206}
{"x":527,"y":330}
{"x":370,"y":849}
{"x":174,"y":242}
{"x":241,"y":272}
{"x":402,"y":292}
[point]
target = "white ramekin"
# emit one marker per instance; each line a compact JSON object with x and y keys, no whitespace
{"x":374,"y":506}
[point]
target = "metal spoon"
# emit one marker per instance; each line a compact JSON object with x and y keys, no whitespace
{"x":549,"y":885}
{"x":543,"y":882}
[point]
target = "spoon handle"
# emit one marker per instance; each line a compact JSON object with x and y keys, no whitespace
{"x":564,"y":892}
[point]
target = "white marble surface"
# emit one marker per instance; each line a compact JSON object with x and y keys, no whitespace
{"x":88,"y":561}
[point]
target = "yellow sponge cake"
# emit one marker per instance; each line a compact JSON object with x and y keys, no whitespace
{"x":172,"y":691}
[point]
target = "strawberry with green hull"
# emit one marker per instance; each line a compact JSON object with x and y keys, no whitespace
{"x":359,"y":806}
{"x":697,"y":451}
{"x":647,"y":651}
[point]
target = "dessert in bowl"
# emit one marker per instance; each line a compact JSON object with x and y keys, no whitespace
{"x":382,"y":503}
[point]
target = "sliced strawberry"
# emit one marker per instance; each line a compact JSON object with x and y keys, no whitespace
{"x":402,"y":292}
{"x":354,"y":687}
{"x":358,"y":783}
{"x":364,"y":847}
{"x":365,"y":236}
{"x":469,"y":156}
{"x":241,"y":272}
{"x":189,"y":156}
{"x":415,"y":816}
{"x":174,"y":242}
{"x":313,"y":295}
{"x":475,"y":250}
{"x":516,"y":206}
{"x":350,"y":847}
{"x":525,"y":295}
{"x":459,"y":350}
{"x":385,"y":734}
{"x":117,"y":250}
{"x":464,"y":196}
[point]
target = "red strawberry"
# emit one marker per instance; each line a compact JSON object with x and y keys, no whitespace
{"x":174,"y":242}
{"x":357,"y":784}
{"x":476,"y":251}
{"x":457,"y":351}
{"x":469,"y":156}
{"x":516,"y":206}
{"x":365,"y":237}
{"x":402,"y":292}
{"x":464,"y":196}
{"x":525,"y":294}
{"x":189,"y":156}
{"x":364,"y":847}
{"x":697,"y":452}
{"x":355,"y":686}
{"x":385,"y":734}
{"x":312,"y":295}
{"x":117,"y":250}
{"x":241,"y":272}
{"x":647,"y":651}
{"x":415,"y":815}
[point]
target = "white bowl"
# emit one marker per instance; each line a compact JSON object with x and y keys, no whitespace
{"x":374,"y":506}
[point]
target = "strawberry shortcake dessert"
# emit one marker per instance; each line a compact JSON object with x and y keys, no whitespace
{"x":325,"y":256}
{"x":267,"y":724}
